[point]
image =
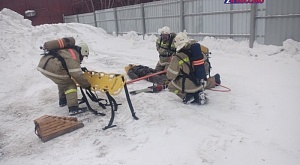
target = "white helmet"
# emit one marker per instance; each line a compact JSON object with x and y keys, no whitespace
{"x":164,"y":30}
{"x":84,"y":49}
{"x":180,"y":41}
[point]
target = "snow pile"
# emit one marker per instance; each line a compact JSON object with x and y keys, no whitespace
{"x":292,"y":47}
{"x":13,"y":20}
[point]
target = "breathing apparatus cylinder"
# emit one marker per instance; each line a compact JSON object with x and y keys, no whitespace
{"x":59,"y":43}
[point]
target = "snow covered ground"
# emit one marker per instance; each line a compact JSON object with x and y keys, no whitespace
{"x":257,"y":123}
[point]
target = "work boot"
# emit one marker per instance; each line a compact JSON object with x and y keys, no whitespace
{"x":217,"y":79}
{"x":188,"y":98}
{"x":62,"y":102}
{"x":200,"y":98}
{"x":74,"y":110}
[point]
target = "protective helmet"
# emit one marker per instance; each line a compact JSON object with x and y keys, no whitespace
{"x":180,"y":41}
{"x":84,"y":49}
{"x":165,"y":30}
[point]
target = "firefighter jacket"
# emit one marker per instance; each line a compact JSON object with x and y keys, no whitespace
{"x":165,"y":49}
{"x":181,"y":63}
{"x":53,"y":66}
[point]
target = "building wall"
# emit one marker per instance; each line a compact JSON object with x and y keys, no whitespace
{"x":51,"y":11}
{"x":47,"y":11}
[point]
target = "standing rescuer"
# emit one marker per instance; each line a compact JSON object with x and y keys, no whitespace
{"x":61,"y":63}
{"x":165,"y":48}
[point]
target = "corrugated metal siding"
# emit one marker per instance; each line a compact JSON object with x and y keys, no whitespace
{"x":206,"y":23}
{"x":72,"y":18}
{"x":282,"y":7}
{"x":214,"y":5}
{"x":218,"y":24}
{"x":193,"y":24}
{"x":241,"y":23}
{"x":169,"y":10}
{"x":87,"y":18}
{"x":280,"y":29}
{"x":105,"y":20}
{"x":205,"y":17}
{"x":260,"y":26}
{"x":130,"y":19}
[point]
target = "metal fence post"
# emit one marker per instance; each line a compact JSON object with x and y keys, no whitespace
{"x":143,"y":20}
{"x":231,"y":20}
{"x":252,"y":25}
{"x":181,"y":16}
{"x":77,"y":16}
{"x":116,"y":21}
{"x":95,"y":19}
{"x":94,"y":13}
{"x":63,"y":18}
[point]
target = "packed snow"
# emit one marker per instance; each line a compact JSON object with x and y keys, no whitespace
{"x":256,"y":123}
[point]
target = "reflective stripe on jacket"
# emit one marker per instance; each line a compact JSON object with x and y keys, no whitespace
{"x":52,"y":66}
